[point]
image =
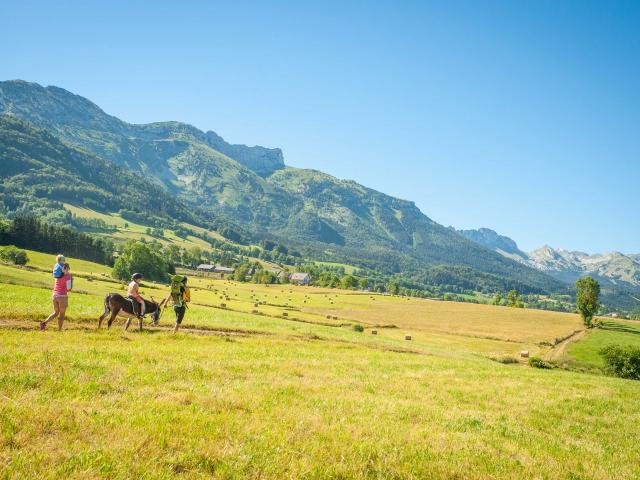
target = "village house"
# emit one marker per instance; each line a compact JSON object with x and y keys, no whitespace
{"x":300,"y":278}
{"x":203,"y":267}
{"x":224,"y":270}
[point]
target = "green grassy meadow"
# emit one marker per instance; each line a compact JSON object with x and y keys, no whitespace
{"x":245,"y":391}
{"x":585,"y":353}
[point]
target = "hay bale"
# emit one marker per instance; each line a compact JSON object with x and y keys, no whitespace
{"x":285,"y":314}
{"x":374,"y":332}
{"x":254,"y":311}
{"x":407,"y":337}
{"x":524,"y":353}
{"x":223,"y":305}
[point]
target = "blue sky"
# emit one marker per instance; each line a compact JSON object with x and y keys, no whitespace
{"x":519,"y":116}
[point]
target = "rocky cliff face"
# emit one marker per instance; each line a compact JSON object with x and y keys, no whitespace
{"x":263,"y":161}
{"x":491,"y":239}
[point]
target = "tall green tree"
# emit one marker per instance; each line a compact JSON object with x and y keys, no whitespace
{"x":587,"y":299}
{"x":11,"y":254}
{"x":349,"y":282}
{"x":514,"y":300}
{"x":497,"y":299}
{"x":241,"y":272}
{"x":139,"y":258}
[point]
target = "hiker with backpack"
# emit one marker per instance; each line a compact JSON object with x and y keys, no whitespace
{"x":179,"y":295}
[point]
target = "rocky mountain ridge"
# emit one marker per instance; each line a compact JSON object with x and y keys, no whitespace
{"x":612,"y":268}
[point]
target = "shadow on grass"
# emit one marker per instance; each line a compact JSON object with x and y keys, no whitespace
{"x":618,"y":327}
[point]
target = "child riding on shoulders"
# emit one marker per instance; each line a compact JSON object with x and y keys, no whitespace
{"x":58,"y":266}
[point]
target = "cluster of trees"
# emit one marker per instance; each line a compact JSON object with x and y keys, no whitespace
{"x":12,"y":254}
{"x":155,"y":232}
{"x":512,"y":299}
{"x":136,"y":257}
{"x":34,"y":234}
{"x":622,"y":361}
{"x":90,"y":224}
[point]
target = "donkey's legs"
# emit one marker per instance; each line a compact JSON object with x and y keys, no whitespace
{"x":140,"y":324}
{"x":127,"y":323}
{"x":114,"y":314}
{"x":103,"y":316}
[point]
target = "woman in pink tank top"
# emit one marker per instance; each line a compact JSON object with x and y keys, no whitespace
{"x":61,"y":286}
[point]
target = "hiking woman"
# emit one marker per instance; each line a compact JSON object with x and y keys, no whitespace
{"x":134,"y":295}
{"x":179,"y":296}
{"x":61,"y":287}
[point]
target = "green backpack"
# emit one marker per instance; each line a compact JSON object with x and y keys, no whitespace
{"x":176,"y":289}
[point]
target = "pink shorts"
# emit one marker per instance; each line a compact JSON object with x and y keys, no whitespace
{"x":60,"y":301}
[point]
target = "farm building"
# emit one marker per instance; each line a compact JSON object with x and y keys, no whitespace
{"x":205,"y":268}
{"x":300,"y":278}
{"x":224,"y":270}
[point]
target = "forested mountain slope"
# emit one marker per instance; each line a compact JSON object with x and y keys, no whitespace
{"x":36,"y":168}
{"x":326,"y":218}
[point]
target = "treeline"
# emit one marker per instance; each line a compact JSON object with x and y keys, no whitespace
{"x":33,"y":234}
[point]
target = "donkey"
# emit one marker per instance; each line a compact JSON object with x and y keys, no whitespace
{"x":116,"y":304}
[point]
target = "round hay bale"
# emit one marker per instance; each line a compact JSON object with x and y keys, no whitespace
{"x":407,"y":337}
{"x":374,"y":332}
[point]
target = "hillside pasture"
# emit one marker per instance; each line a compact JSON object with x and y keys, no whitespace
{"x":263,"y":395}
{"x":129,"y":230}
{"x":586,"y":353}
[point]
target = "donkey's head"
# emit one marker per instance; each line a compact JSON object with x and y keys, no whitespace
{"x":155,"y":316}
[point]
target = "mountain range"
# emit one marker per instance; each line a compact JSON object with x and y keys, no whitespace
{"x":176,"y":170}
{"x":610,"y":269}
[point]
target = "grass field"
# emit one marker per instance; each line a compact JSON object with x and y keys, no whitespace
{"x":585,"y":354}
{"x":264,"y":395}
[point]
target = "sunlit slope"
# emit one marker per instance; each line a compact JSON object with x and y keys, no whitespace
{"x":227,"y":305}
{"x":129,"y":230}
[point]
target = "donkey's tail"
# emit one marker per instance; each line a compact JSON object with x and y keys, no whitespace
{"x":107,"y":307}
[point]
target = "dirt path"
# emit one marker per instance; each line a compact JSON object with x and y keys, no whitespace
{"x":32,"y":325}
{"x":558,"y":353}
